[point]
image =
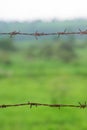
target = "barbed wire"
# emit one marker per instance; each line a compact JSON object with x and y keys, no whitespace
{"x":38,"y":34}
{"x":30,"y":104}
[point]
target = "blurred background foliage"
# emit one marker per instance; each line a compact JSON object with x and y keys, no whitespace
{"x":47,"y":70}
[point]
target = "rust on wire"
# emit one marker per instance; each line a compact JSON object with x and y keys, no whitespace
{"x":30,"y":104}
{"x":38,"y":34}
{"x":13,"y":33}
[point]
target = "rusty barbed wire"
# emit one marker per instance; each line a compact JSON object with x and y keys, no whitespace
{"x":38,"y":34}
{"x":30,"y":104}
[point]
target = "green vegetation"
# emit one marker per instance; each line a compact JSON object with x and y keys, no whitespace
{"x":37,"y":73}
{"x":6,"y":47}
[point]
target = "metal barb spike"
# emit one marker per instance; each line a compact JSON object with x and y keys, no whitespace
{"x":83,"y":105}
{"x":30,"y":105}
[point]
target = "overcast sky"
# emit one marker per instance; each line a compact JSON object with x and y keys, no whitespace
{"x":42,"y":9}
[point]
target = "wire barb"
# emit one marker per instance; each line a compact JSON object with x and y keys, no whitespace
{"x":13,"y":33}
{"x":83,"y":105}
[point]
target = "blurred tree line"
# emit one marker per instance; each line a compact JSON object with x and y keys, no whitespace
{"x":6,"y":47}
{"x":63,"y":50}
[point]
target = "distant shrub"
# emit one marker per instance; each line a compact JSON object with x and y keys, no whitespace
{"x":47,"y":51}
{"x":6,"y":46}
{"x":66,"y":51}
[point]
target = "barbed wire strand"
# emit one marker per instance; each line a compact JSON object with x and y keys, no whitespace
{"x":38,"y":34}
{"x":30,"y":104}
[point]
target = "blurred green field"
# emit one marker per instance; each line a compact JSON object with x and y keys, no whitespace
{"x":44,"y":81}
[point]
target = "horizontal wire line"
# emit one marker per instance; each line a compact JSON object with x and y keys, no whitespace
{"x":45,"y":105}
{"x":37,"y":34}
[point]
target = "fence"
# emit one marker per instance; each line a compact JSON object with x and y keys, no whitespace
{"x":45,"y":105}
{"x":36,"y":35}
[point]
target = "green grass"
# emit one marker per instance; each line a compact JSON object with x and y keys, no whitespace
{"x":44,"y":90}
{"x":43,"y":81}
{"x":60,"y":89}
